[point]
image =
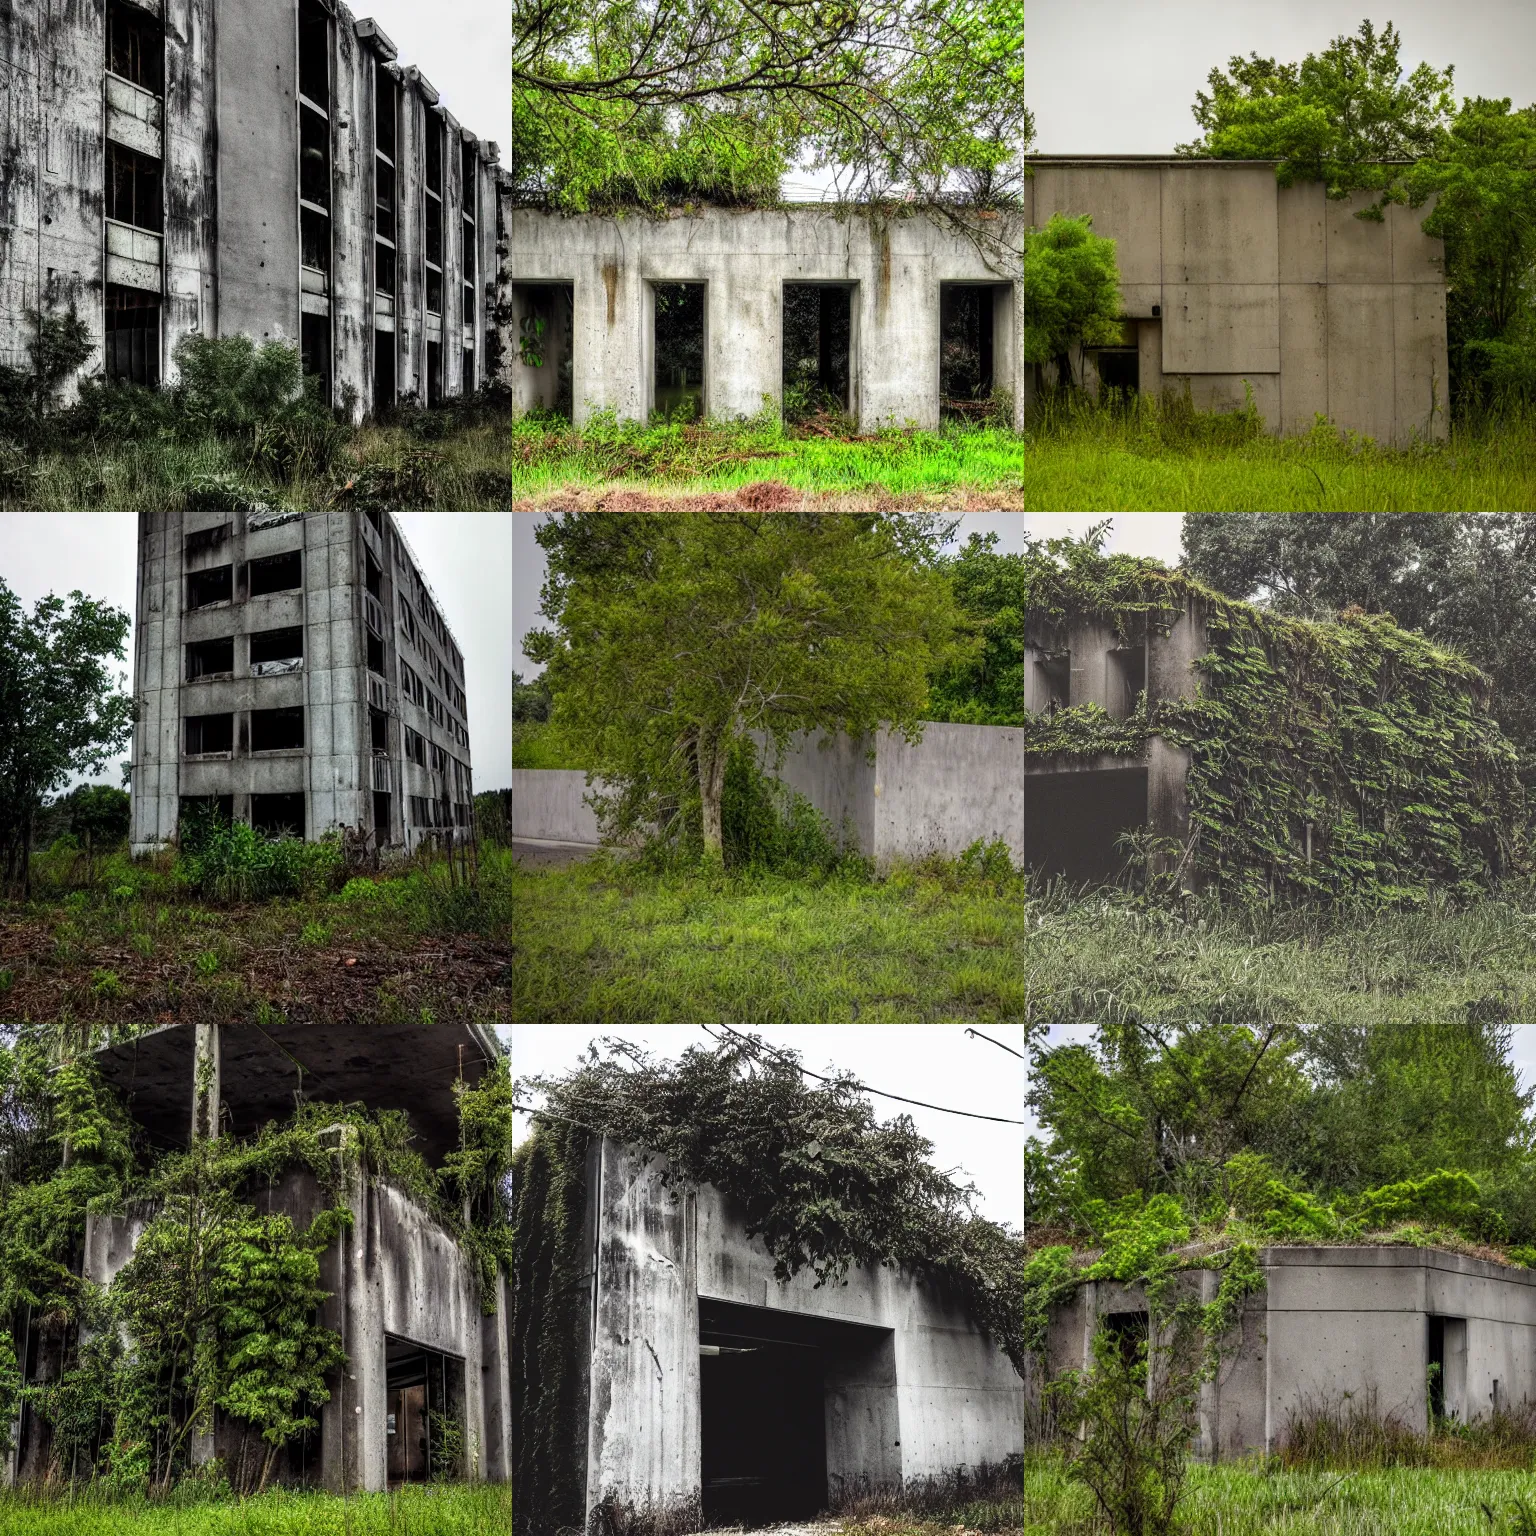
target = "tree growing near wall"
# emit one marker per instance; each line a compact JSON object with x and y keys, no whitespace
{"x":1071,"y":293}
{"x":676,"y":635}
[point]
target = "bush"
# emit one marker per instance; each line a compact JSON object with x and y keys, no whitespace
{"x":232,"y":862}
{"x":769,"y":827}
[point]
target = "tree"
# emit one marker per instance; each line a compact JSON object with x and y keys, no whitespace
{"x":678,"y":634}
{"x":1071,"y":292}
{"x":1465,"y":580}
{"x":988,"y":688}
{"x":59,"y":711}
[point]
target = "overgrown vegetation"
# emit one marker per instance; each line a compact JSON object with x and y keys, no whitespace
{"x":216,"y":1312}
{"x":824,"y":1184}
{"x":961,"y":458}
{"x":1344,"y":760}
{"x":240,"y":429}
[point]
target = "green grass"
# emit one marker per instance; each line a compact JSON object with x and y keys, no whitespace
{"x":1247,"y":1499}
{"x":602,"y":942}
{"x":1167,"y":458}
{"x":465,"y":469}
{"x":548,"y":456}
{"x":446,"y":1511}
{"x":1103,"y":956}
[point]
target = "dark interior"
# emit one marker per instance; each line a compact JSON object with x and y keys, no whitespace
{"x":965,"y":345}
{"x":680,"y":349}
{"x":211,"y":658}
{"x":277,"y":644}
{"x":818,"y":327}
{"x":278,"y":815}
{"x":419,"y":1384}
{"x":277,"y":730}
{"x":222,"y":806}
{"x":1071,"y":821}
{"x":205,"y":539}
{"x":1120,"y":369}
{"x":277,"y":573}
{"x":132,"y":342}
{"x":210,"y":733}
{"x":215,"y":586}
{"x":1129,"y":1331}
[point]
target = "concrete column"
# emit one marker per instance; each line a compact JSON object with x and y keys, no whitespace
{"x":898,"y":330}
{"x":496,"y":1393}
{"x":644,"y":1436}
{"x":608,"y":345}
{"x":1167,"y":800}
{"x":206,"y":1068}
{"x":744,"y":340}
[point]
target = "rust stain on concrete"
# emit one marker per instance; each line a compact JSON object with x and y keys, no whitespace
{"x":611,"y":283}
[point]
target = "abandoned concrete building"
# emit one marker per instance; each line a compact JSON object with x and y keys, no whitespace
{"x":1337,"y":1329}
{"x":409,"y":1304}
{"x":270,"y":170}
{"x":707,"y":1384}
{"x":717,"y":311}
{"x":295,"y":671}
{"x":1230,"y":282}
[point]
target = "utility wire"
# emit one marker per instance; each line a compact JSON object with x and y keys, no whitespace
{"x":998,"y":1043}
{"x":864,"y":1087}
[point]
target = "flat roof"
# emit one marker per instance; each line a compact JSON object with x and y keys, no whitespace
{"x":1140,"y":160}
{"x":264,"y":1072}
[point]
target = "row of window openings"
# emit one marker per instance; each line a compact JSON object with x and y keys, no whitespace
{"x":436,"y":813}
{"x":268,"y":730}
{"x":272,"y":815}
{"x":267,"y":648}
{"x":275,"y":573}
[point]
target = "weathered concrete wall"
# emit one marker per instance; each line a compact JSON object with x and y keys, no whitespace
{"x":1232,"y":280}
{"x":745,"y":258}
{"x":548,"y":803}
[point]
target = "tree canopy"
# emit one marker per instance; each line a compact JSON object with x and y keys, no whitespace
{"x":678,"y":634}
{"x":1071,"y":292}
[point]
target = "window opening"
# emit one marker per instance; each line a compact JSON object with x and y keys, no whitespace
{"x":210,"y":733}
{"x":1072,"y":821}
{"x":277,"y":730}
{"x":314,"y":54}
{"x":215,"y":586}
{"x":135,"y":46}
{"x":434,"y":373}
{"x":680,"y":350}
{"x":133,"y":335}
{"x":211,"y":658}
{"x":278,"y":815}
{"x":965,"y":348}
{"x":205,"y":539}
{"x":272,"y":647}
{"x":381,"y":815}
{"x":376,"y":655}
{"x":378,"y":730}
{"x":133,"y":188}
{"x":277,"y":573}
{"x":818,"y":330}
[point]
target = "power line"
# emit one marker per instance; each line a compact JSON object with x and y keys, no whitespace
{"x":864,"y":1087}
{"x":998,"y":1043}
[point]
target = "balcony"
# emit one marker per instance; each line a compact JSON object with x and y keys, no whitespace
{"x":133,"y":256}
{"x":135,"y":117}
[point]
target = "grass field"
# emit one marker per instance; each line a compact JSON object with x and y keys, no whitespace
{"x":1247,"y":1499}
{"x":445,"y":1511}
{"x":1165,"y":458}
{"x":464,"y":469}
{"x":602,"y":942}
{"x":125,"y":942}
{"x":1103,"y":956}
{"x":769,"y":465}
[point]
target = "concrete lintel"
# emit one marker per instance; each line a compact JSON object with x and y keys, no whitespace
{"x":370,"y":32}
{"x":428,"y":91}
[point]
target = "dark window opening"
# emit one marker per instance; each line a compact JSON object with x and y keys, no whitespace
{"x":277,"y":730}
{"x":434,"y":231}
{"x":314,"y":158}
{"x":373,"y":577}
{"x":467,"y":372}
{"x":210,"y":733}
{"x":278,"y":815}
{"x":383,"y":370}
{"x":1129,"y":675}
{"x":384,"y":268}
{"x":1056,"y":672}
{"x":314,"y":241}
{"x":468,"y":161}
{"x":217,"y":807}
{"x":680,"y":350}
{"x":965,"y":346}
{"x":376,"y":655}
{"x":277,"y":573}
{"x":818,"y":330}
{"x":381,"y":815}
{"x":468,"y":306}
{"x":384,"y":110}
{"x":211,"y":658}
{"x":205,"y":539}
{"x":1072,"y":821}
{"x":434,"y":291}
{"x":377,"y":519}
{"x":434,"y":370}
{"x":135,"y":46}
{"x":434,"y":154}
{"x":215,"y":586}
{"x":133,"y":188}
{"x":378,"y":730}
{"x":1129,"y":1331}
{"x":422,"y":1391}
{"x":315,"y":351}
{"x":133,"y":335}
{"x":384,"y":203}
{"x":1119,"y":370}
{"x":277,"y":645}
{"x":314,"y":54}
{"x":543,"y":324}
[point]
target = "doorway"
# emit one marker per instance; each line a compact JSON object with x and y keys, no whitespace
{"x":424,"y":1413}
{"x":818,"y":348}
{"x":1119,"y":372}
{"x":1073,"y":821}
{"x":967,"y":347}
{"x":679,"y":349}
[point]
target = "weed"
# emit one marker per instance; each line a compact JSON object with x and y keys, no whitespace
{"x":107,"y":984}
{"x":207,"y":963}
{"x":315,"y":934}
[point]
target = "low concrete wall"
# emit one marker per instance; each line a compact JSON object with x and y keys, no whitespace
{"x":958,"y":784}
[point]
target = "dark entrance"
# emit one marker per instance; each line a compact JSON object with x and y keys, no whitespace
{"x":132,"y":349}
{"x":278,"y":815}
{"x":818,"y":330}
{"x":1072,"y":821}
{"x":966,"y":339}
{"x":1119,"y":370}
{"x":424,"y":1413}
{"x":680,"y":350}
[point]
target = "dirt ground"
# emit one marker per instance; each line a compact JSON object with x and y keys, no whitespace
{"x":767,"y":496}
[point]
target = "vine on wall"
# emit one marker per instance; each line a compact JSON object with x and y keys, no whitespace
{"x":1345,"y":760}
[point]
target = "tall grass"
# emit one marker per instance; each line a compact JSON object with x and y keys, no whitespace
{"x":1150,"y":455}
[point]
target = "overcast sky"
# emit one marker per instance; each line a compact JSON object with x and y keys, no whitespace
{"x":464,"y":47}
{"x":465,"y":556}
{"x":938,"y":1063}
{"x":1120,"y":76}
{"x":1159,"y":534}
{"x":529,"y":565}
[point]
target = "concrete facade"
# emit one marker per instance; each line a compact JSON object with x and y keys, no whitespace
{"x":369,"y":678}
{"x":960,"y":783}
{"x":267,"y":169}
{"x":1336,"y":1329}
{"x":908,"y":1387}
{"x":1075,"y":807}
{"x":893,"y":270}
{"x":1229,"y":280}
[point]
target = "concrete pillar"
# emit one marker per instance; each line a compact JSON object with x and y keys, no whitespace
{"x":496,"y":1393}
{"x":644,"y":1437}
{"x":1168,"y":801}
{"x":744,"y":337}
{"x":898,"y":331}
{"x":206,"y":1072}
{"x":608,"y":345}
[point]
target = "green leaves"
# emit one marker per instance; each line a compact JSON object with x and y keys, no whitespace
{"x":1071,"y":289}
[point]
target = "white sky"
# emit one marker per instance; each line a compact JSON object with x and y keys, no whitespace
{"x":1120,"y":76}
{"x":938,"y":1063}
{"x":464,"y":47}
{"x":529,"y":566}
{"x":1159,"y":534}
{"x":466,"y":557}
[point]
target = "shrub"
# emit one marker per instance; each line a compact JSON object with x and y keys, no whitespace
{"x":232,"y":862}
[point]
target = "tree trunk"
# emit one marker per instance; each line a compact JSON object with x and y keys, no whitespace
{"x":26,"y":855}
{"x":713,"y":747}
